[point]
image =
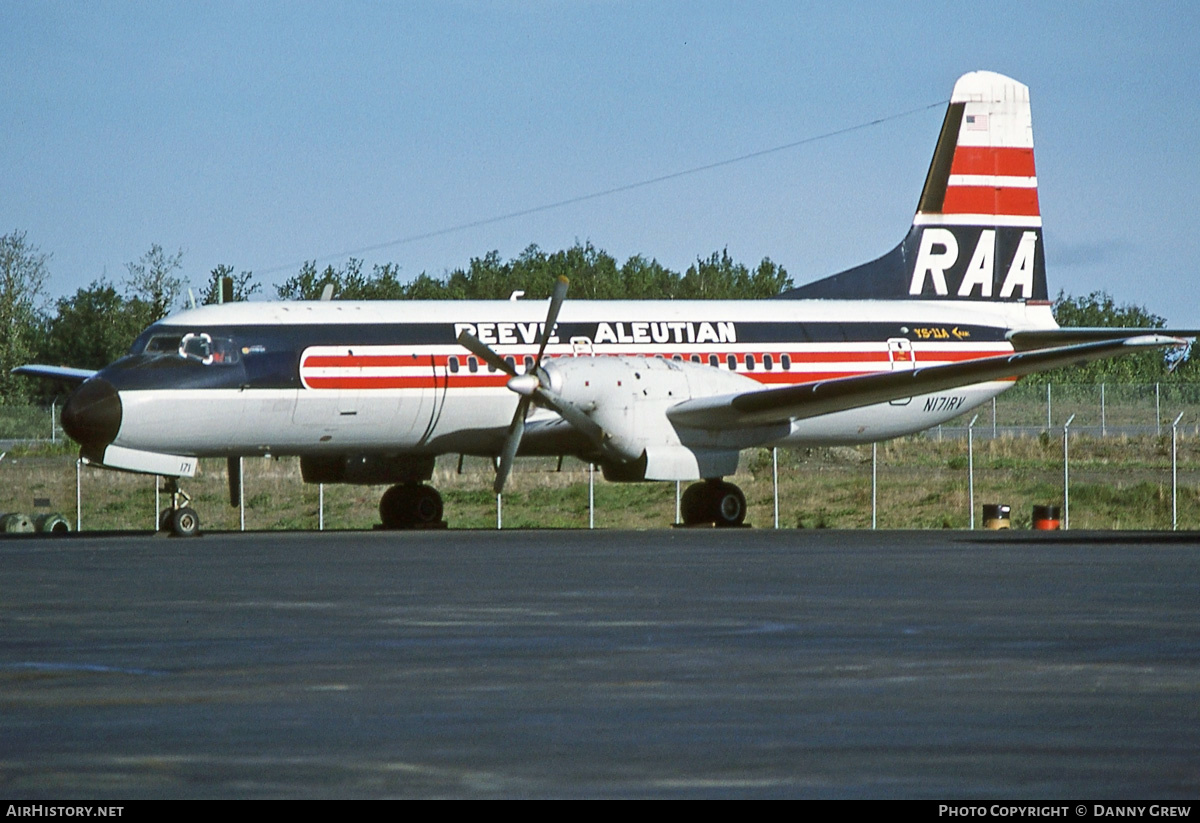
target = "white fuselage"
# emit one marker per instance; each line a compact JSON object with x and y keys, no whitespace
{"x":389,"y":377}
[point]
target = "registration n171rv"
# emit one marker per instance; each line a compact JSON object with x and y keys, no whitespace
{"x":373,"y":392}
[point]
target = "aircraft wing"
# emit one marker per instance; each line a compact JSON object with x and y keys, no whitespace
{"x":1045,"y":338}
{"x":63,"y":373}
{"x":829,"y":396}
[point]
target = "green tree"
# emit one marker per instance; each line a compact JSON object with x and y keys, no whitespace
{"x":152,"y":278}
{"x":95,"y":326}
{"x":717,"y":278}
{"x":243,"y":285}
{"x":642,"y":279}
{"x":23,"y":273}
{"x":1099,"y":309}
{"x":307,"y":283}
{"x":424,"y":287}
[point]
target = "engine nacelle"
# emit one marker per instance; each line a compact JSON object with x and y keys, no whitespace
{"x":628,"y":398}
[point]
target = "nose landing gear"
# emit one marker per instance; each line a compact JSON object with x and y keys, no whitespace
{"x":181,"y":520}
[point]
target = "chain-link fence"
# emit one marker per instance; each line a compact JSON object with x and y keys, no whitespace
{"x":30,"y":423}
{"x":1099,"y":410}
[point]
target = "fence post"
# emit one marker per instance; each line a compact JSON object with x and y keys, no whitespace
{"x":320,"y":507}
{"x":1067,"y":474}
{"x":874,"y":483}
{"x":993,"y":418}
{"x":241,"y":495}
{"x":971,"y":469}
{"x":1157,"y":410}
{"x":591,"y":495}
{"x":499,"y":512}
{"x":78,"y":495}
{"x":1174,"y":475}
{"x":1049,"y":424}
{"x":1103,"y":419}
{"x":775,"y":480}
{"x":677,"y":503}
{"x":53,"y":430}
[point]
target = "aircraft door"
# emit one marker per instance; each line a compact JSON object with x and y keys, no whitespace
{"x":902,"y":358}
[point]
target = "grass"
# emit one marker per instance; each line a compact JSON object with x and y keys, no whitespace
{"x":1121,"y":482}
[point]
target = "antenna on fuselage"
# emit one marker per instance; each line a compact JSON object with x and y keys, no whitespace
{"x":327,"y":292}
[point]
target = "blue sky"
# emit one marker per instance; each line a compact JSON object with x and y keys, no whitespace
{"x":261,"y":135}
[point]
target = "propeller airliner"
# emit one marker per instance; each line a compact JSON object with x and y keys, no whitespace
{"x":373,"y":392}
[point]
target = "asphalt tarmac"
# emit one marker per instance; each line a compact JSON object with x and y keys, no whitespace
{"x":674,"y":663}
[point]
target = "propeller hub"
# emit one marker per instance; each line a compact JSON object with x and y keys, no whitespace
{"x":524,"y":384}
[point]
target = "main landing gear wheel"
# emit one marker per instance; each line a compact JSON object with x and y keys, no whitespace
{"x":411,"y":506}
{"x":715,"y":502}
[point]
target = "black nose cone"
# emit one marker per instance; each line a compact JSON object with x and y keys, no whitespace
{"x":92,"y":416}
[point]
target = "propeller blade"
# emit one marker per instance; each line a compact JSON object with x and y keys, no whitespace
{"x":508,"y":454}
{"x":556,"y":301}
{"x":474,"y":345}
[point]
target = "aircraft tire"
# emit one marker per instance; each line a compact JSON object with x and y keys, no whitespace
{"x":185,"y":522}
{"x":410,"y":505}
{"x":426,"y":505}
{"x":713,"y":501}
{"x":695,"y":505}
{"x":729,"y":504}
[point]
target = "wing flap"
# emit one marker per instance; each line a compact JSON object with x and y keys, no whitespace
{"x":829,"y":396}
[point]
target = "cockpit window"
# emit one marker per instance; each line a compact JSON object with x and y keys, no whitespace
{"x":163,"y":344}
{"x":208,"y":349}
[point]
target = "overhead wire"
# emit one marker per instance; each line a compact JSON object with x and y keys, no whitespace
{"x":557,"y":204}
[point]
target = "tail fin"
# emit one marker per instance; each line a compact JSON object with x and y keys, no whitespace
{"x":977,"y":233}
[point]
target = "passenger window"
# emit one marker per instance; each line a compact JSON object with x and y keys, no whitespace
{"x":453,"y":364}
{"x":472,"y":365}
{"x":731,"y":361}
{"x":714,"y":361}
{"x":750,"y":362}
{"x":785,"y":360}
{"x":768,"y":362}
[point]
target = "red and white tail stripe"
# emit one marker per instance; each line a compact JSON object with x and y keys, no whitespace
{"x":991,"y":179}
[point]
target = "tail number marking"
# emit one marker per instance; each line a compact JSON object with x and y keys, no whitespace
{"x":944,"y":403}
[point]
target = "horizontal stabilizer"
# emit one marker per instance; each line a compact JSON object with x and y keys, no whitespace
{"x":829,"y":396}
{"x":1045,"y":338}
{"x":63,"y":373}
